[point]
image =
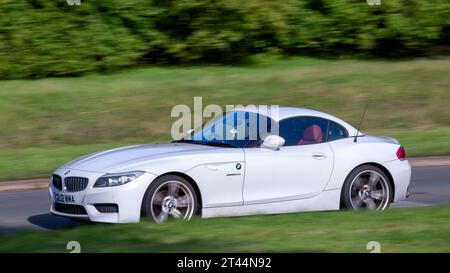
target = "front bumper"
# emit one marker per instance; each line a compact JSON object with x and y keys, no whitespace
{"x":128,"y":198}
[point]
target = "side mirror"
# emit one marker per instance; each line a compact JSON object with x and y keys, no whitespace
{"x":273,"y":142}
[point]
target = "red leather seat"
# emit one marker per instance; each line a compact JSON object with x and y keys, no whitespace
{"x":312,"y":135}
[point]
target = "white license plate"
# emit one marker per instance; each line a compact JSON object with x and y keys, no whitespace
{"x":64,"y":198}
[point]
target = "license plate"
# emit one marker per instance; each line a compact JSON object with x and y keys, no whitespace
{"x":64,"y":198}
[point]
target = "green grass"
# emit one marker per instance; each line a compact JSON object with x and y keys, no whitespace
{"x":65,"y":117}
{"x":39,"y":162}
{"x":397,"y":230}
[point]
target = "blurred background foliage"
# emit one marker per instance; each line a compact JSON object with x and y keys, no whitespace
{"x":41,"y":38}
{"x":330,"y":55}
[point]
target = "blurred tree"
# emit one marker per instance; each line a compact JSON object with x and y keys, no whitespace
{"x":51,"y":38}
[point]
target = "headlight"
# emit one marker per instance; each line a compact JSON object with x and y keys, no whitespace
{"x":116,"y":179}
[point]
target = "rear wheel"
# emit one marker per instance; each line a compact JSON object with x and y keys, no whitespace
{"x":168,"y":197}
{"x":366,"y":187}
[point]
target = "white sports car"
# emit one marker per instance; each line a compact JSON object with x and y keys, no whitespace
{"x":315,"y":162}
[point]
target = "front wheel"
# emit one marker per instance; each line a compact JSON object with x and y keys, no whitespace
{"x":170,"y":197}
{"x":366,"y":187}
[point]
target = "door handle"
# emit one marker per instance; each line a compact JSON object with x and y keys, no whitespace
{"x":319,"y":155}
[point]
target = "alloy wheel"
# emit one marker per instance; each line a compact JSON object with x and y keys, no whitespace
{"x":369,"y":190}
{"x":172,"y":199}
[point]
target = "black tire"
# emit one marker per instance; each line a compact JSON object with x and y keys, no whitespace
{"x":148,"y":208}
{"x":348,"y":188}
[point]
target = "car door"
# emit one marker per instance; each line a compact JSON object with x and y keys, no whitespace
{"x":300,"y":169}
{"x":221,"y":182}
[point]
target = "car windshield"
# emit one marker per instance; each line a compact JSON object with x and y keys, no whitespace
{"x":237,"y":129}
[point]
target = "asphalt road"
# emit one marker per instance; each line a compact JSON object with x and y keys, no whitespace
{"x":29,"y":209}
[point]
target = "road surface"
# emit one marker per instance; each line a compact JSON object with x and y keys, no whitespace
{"x":29,"y":209}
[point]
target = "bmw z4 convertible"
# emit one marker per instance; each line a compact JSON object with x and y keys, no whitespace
{"x":313,"y":162}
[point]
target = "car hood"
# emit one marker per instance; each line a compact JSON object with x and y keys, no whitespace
{"x":120,"y":158}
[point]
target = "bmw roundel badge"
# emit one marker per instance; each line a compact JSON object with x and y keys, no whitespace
{"x":238,"y":166}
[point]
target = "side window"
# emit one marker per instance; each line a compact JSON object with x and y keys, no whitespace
{"x":303,"y":130}
{"x":336,"y":132}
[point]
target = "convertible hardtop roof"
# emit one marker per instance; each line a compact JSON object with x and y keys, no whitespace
{"x":289,"y":112}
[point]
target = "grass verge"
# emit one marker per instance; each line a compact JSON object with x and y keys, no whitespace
{"x":425,"y":229}
{"x":46,"y":122}
{"x":40,"y":162}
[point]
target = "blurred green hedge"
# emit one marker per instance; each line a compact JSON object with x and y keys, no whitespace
{"x":50,"y":38}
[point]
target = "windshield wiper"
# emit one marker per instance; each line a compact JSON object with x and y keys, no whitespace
{"x":187,"y":141}
{"x":207,"y":143}
{"x":217,"y":144}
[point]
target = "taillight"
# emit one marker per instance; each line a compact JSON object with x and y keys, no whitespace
{"x":401,"y":154}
